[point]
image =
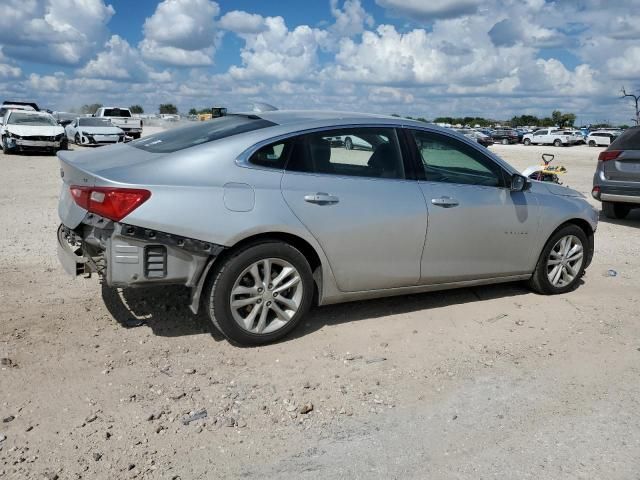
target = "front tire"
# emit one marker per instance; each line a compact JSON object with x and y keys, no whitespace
{"x":260,"y":293}
{"x":348,"y":143}
{"x":77,"y":139}
{"x":592,"y":143}
{"x":5,"y":149}
{"x":557,"y":142}
{"x":505,"y":141}
{"x":527,"y":141}
{"x":616,"y":211}
{"x":562,"y":262}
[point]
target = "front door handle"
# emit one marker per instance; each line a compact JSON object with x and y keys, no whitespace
{"x":321,"y":198}
{"x":445,"y":202}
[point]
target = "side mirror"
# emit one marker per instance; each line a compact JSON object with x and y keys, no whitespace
{"x":519,"y":183}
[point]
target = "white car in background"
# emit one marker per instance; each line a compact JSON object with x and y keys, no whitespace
{"x":600,"y":138}
{"x":28,"y":130}
{"x":94,"y":131}
{"x":548,"y":136}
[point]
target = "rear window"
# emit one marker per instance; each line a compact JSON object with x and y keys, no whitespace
{"x":116,"y":112}
{"x":629,"y":140}
{"x":203,"y":132}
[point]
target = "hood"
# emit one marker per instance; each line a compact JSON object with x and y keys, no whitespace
{"x":29,"y":130}
{"x":561,"y":190}
{"x":100,"y":130}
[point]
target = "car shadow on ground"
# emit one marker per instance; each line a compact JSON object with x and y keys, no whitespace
{"x":382,"y":307}
{"x":165,"y":310}
{"x":632,"y":220}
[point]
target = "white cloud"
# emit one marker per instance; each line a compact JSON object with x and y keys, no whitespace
{"x":53,"y":31}
{"x":120,"y":61}
{"x":242,"y":22}
{"x":430,"y":10}
{"x":626,"y":66}
{"x":279,"y":53}
{"x":181,"y":33}
{"x":351,"y":19}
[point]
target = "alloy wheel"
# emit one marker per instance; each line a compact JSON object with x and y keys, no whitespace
{"x":266,"y":295}
{"x":565,"y":260}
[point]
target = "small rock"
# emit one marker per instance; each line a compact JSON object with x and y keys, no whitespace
{"x":375,"y":359}
{"x":97,"y":456}
{"x":8,"y":419}
{"x":242,"y":423}
{"x":306,"y":408}
{"x":384,"y":344}
{"x":227,"y":421}
{"x":306,"y":385}
{"x":519,"y":322}
{"x":2,"y":437}
{"x":131,"y":466}
{"x":51,"y":476}
{"x":415,"y":331}
{"x":29,"y":428}
{"x":189,"y":371}
{"x":91,"y":418}
{"x":455,"y":417}
{"x":107,"y":435}
{"x":6,"y":362}
{"x":177,"y":396}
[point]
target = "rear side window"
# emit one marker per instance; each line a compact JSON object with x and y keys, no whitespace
{"x":629,"y":140}
{"x":271,"y":156}
{"x":371,"y":152}
{"x":202,"y":132}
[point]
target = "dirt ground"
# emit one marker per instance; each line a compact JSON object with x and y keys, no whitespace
{"x":493,"y":382}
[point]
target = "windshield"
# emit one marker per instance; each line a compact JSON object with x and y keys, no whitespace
{"x":94,"y":122}
{"x":203,"y":132}
{"x":17,"y":118}
{"x":116,"y":112}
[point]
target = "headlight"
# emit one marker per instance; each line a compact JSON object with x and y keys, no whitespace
{"x":13,"y":135}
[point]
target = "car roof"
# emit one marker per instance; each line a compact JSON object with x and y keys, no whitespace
{"x":288,"y":117}
{"x":30,"y":112}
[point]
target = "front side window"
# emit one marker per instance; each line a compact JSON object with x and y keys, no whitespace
{"x":448,"y":160}
{"x":359,"y":151}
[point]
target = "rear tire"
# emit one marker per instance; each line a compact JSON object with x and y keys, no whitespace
{"x":616,"y":211}
{"x":557,"y":142}
{"x":552,"y":259}
{"x":592,"y":143}
{"x":505,"y":141}
{"x":235,"y":278}
{"x":527,"y":141}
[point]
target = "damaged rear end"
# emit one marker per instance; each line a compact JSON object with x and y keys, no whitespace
{"x":96,"y":237}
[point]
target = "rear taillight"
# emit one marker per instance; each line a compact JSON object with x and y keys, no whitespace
{"x":111,"y":203}
{"x":609,"y":155}
{"x":595,"y":192}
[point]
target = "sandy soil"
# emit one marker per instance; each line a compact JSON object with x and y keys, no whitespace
{"x":492,"y":382}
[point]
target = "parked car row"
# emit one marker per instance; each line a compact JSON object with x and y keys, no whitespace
{"x":25,"y":127}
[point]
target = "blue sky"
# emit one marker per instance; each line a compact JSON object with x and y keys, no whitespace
{"x":494,"y":58}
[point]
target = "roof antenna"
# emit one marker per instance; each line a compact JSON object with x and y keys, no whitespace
{"x":259,"y":107}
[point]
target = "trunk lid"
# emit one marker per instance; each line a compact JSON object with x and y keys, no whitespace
{"x":103,"y":167}
{"x":626,"y":166}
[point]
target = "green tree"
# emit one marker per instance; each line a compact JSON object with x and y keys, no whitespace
{"x":168,"y":108}
{"x":193,"y":111}
{"x":90,"y":108}
{"x":136,"y":109}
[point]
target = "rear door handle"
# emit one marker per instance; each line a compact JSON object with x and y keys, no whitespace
{"x":445,"y":202}
{"x":321,"y":198}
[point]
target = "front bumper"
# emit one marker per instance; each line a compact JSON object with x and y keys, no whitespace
{"x":26,"y":144}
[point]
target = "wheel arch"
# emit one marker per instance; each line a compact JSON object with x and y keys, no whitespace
{"x":586,"y":227}
{"x":308,"y":250}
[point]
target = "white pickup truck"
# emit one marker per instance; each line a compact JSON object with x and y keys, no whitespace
{"x":549,"y":136}
{"x":121,"y":118}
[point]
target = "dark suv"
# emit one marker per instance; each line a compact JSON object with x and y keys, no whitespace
{"x":505,"y":136}
{"x":616,"y":182}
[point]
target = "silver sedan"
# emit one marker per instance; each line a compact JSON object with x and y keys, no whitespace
{"x":265,"y":215}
